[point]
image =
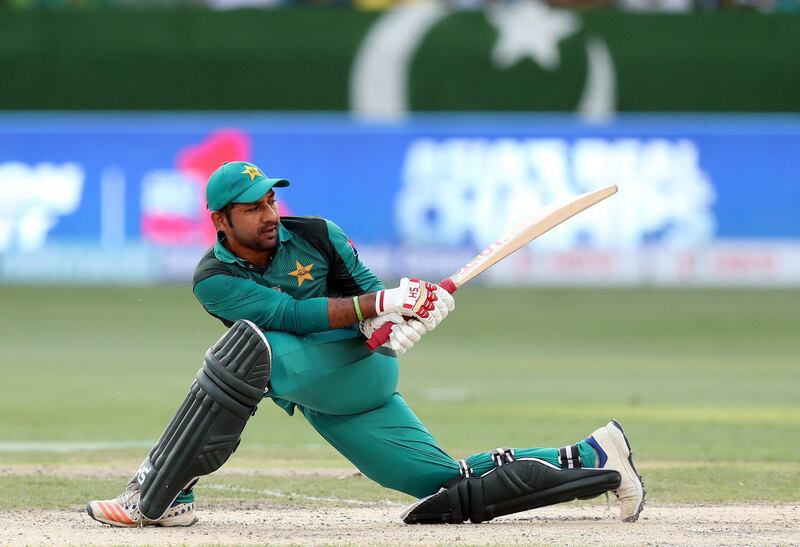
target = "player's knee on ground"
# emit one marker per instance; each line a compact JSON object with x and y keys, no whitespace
{"x":419,"y":486}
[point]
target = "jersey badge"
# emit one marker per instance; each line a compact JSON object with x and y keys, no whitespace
{"x":352,"y":246}
{"x":302,"y":273}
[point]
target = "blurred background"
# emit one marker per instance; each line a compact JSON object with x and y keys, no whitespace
{"x":426,"y":130}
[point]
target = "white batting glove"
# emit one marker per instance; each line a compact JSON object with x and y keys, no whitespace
{"x":369,"y":326}
{"x":427,"y":302}
{"x":404,"y":333}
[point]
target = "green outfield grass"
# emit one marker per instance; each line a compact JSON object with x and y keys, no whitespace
{"x":706,"y":382}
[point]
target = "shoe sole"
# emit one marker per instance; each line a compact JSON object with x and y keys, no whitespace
{"x":182,"y":525}
{"x":115,"y":524}
{"x":635,"y":516}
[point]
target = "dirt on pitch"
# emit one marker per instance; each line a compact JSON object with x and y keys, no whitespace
{"x":379,"y":524}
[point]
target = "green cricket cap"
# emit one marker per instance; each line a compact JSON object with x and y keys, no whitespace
{"x":238,"y":182}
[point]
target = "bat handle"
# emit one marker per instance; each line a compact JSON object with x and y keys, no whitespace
{"x":448,"y":285}
{"x":381,"y":336}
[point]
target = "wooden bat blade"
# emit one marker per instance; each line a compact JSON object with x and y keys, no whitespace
{"x":547,"y":219}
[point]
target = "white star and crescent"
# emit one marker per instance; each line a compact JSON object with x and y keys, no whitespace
{"x":530,"y":29}
{"x":379,"y":82}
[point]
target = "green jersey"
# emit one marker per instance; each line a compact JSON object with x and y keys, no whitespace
{"x":314,"y":260}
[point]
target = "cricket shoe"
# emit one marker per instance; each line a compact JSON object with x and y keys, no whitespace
{"x":614,"y":452}
{"x":124,"y":511}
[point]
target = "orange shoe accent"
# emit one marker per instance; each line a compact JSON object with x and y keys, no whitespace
{"x":123,"y":516}
{"x":106,"y":511}
{"x":113,"y":512}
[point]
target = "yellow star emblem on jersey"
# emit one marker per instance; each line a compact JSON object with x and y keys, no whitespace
{"x":302,"y":273}
{"x":253,"y":172}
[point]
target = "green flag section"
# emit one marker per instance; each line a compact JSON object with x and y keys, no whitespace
{"x":510,"y":57}
{"x":296,"y":59}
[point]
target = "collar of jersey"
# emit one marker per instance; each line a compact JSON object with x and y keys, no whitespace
{"x":223,"y":254}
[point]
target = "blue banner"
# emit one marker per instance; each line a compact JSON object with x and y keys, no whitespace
{"x":440,"y":181}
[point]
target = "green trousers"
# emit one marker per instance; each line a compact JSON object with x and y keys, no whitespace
{"x":348,"y":394}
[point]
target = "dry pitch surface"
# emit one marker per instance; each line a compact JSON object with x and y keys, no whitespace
{"x":336,"y":521}
{"x":379,"y":524}
{"x":358,"y":522}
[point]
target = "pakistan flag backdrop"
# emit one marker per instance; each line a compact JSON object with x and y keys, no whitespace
{"x":512,"y":57}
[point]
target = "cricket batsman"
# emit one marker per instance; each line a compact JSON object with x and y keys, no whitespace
{"x":299,"y":303}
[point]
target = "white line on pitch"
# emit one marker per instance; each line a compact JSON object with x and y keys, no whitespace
{"x":74,"y":446}
{"x":293,"y":495}
{"x":65,"y":446}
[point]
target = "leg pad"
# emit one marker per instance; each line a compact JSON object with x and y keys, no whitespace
{"x":208,"y":425}
{"x":524,"y":484}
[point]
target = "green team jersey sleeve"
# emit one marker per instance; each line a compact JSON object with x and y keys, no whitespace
{"x":348,"y":275}
{"x":231,"y":298}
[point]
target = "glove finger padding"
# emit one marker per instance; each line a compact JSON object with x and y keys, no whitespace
{"x":369,"y":326}
{"x":444,"y":301}
{"x":405,"y":334}
{"x":400,"y":339}
{"x":396,"y":347}
{"x":438,"y":306}
{"x":432,"y":320}
{"x":446,"y":297}
{"x":417,"y":326}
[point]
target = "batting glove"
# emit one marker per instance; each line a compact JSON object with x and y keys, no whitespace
{"x":405,"y":333}
{"x":427,"y":302}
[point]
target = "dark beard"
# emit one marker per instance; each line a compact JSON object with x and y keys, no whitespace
{"x":257,"y":244}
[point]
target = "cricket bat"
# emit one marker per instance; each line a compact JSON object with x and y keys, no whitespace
{"x":547,"y":219}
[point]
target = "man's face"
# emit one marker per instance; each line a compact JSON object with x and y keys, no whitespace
{"x":251,"y":225}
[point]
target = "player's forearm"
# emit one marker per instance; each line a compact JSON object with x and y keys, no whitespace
{"x":342,"y":311}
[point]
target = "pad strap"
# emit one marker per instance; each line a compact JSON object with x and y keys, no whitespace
{"x":465,"y":469}
{"x":502,"y":456}
{"x":569,"y":457}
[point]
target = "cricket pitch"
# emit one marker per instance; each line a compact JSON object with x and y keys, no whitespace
{"x":252,"y":523}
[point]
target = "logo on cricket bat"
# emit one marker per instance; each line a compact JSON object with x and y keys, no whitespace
{"x":486,"y":253}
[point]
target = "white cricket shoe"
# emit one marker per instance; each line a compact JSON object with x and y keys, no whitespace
{"x":124,"y":511}
{"x":614,"y":452}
